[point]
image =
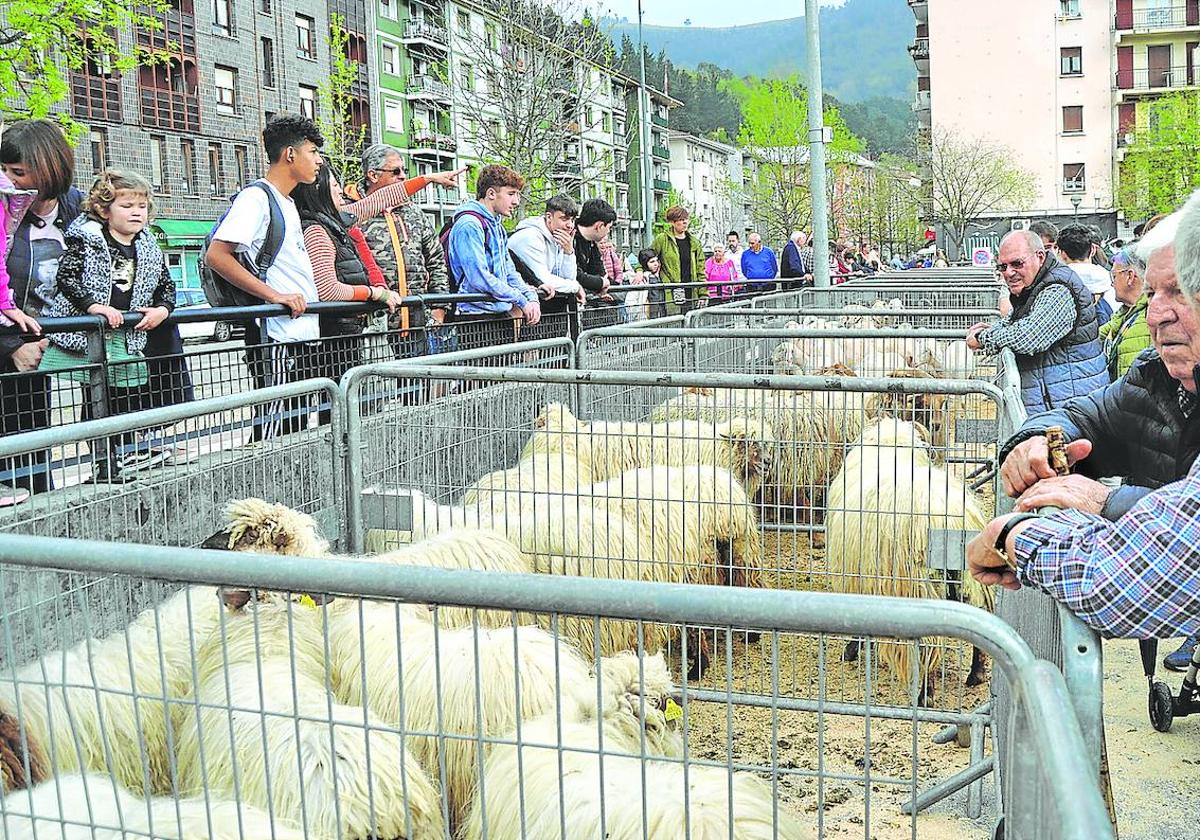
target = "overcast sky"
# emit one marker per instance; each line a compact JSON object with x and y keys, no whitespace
{"x":709,"y":12}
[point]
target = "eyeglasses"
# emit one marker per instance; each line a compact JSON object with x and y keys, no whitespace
{"x":1015,"y":265}
{"x":395,"y":173}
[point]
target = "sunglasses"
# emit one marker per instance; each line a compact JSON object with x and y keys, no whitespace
{"x":1015,"y":265}
{"x":395,"y":173}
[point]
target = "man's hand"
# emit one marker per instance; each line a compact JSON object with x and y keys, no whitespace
{"x":532,"y":312}
{"x":984,"y":564}
{"x":565,"y":241}
{"x":546,"y":291}
{"x":1029,"y":463}
{"x":294,"y":302}
{"x":973,"y":335}
{"x":152,"y":316}
{"x":581,"y":297}
{"x":112,"y":316}
{"x":1068,"y":491}
{"x":23,"y":321}
{"x":392,"y":301}
{"x":28,"y":356}
{"x":438,"y":316}
{"x":446,"y":179}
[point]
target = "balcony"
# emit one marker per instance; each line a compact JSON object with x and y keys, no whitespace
{"x":427,"y":141}
{"x":1073,"y":186}
{"x":167,"y":109}
{"x":623,"y":214}
{"x":622,"y":176}
{"x":177,"y":33}
{"x":661,"y":186}
{"x":1143,"y":80}
{"x":427,"y":87}
{"x":660,"y":152}
{"x":919,"y":49}
{"x":434,"y":197}
{"x":922,"y":102}
{"x":658,"y":120}
{"x":419,"y":31}
{"x":920,"y":10}
{"x":1162,"y":19}
{"x":96,"y":97}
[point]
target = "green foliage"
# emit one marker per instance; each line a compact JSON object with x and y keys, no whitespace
{"x":886,"y":126}
{"x":343,"y":140}
{"x":885,"y":210}
{"x":41,"y":41}
{"x":676,"y":199}
{"x":1162,"y":165}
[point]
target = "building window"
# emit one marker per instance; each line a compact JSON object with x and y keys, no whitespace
{"x":214,"y":168}
{"x":1068,"y":8}
{"x":226,"y":81}
{"x":222,"y":17}
{"x":391,"y":59}
{"x":241,"y":163}
{"x":188,"y":158}
{"x":606,"y":122}
{"x":1070,"y":61}
{"x":489,"y":33}
{"x":1072,"y":119}
{"x":393,"y":116}
{"x":308,"y":102}
{"x":468,"y":75}
{"x":704,"y":182}
{"x":306,"y":47}
{"x":158,"y":164}
{"x":1073,"y":178}
{"x":268,"y":62}
{"x":387,"y":9}
{"x":99,"y":143}
{"x":264,"y":6}
{"x":464,"y":22}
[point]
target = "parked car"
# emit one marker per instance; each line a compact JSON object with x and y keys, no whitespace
{"x":193,"y":300}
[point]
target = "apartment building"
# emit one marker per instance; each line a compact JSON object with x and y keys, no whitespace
{"x":659,"y":110}
{"x":708,"y":176}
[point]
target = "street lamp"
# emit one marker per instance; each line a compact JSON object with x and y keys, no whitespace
{"x":1075,"y":202}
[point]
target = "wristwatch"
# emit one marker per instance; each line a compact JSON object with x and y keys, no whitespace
{"x":1002,"y":539}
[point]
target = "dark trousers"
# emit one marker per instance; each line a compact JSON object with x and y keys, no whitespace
{"x":271,"y":363}
{"x":24,"y":407}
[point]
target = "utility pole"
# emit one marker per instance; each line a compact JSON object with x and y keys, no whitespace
{"x":645,"y":165}
{"x":817,"y":138}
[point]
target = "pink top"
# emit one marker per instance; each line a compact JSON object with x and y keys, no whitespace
{"x":6,"y":300}
{"x":721,"y":277}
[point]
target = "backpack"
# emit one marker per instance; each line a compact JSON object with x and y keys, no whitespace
{"x":219,"y":291}
{"x":444,"y":238}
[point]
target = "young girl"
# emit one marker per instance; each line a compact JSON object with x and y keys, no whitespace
{"x":112,"y":265}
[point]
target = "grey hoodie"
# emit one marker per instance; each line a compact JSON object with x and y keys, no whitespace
{"x":534,"y":245}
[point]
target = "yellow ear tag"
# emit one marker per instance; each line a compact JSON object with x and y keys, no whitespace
{"x":674,"y":710}
{"x":306,"y":600}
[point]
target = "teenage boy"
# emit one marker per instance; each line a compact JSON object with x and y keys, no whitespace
{"x":288,"y":353}
{"x":479,"y":260}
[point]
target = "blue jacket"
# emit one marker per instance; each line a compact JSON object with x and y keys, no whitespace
{"x":793,"y":263}
{"x":1075,"y":365}
{"x":760,"y":266}
{"x":490,"y":273}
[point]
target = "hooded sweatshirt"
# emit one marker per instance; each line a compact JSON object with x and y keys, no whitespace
{"x":532,"y":243}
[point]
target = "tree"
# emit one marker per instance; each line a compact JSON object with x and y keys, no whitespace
{"x":971,"y":176}
{"x":524,"y":98}
{"x":1162,"y":164}
{"x":886,"y":210}
{"x":344,"y":136}
{"x":41,"y":41}
{"x":774,"y":119}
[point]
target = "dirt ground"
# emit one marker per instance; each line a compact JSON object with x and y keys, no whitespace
{"x":822,"y":758}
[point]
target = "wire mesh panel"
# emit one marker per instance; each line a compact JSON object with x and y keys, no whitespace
{"x":933,"y":296}
{"x":879,"y":315}
{"x":162,"y":475}
{"x":298,"y":696}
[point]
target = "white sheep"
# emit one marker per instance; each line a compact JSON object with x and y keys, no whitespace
{"x":541,"y":472}
{"x":264,"y":727}
{"x":103,"y":704}
{"x":95,"y":807}
{"x":956,"y":359}
{"x":883,"y":503}
{"x":583,"y":769}
{"x":608,"y":449}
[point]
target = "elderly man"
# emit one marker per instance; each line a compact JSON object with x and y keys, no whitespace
{"x":1138,"y":577}
{"x":1139,"y":427}
{"x":406,"y":247}
{"x":794,"y":265}
{"x":1052,"y":328}
{"x":758,"y":263}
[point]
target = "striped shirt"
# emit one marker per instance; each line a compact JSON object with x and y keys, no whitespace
{"x":1138,"y":577}
{"x":1049,"y":321}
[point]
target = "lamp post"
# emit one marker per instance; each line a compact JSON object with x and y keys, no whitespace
{"x":1075,"y":202}
{"x":645,"y":164}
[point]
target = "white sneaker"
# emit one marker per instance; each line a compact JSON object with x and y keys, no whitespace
{"x":144,"y":460}
{"x":12,"y":496}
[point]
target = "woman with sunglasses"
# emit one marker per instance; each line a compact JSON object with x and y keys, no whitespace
{"x":1126,"y":334}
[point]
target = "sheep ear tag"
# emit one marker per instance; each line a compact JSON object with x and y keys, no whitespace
{"x":306,"y":600}
{"x":674,"y":710}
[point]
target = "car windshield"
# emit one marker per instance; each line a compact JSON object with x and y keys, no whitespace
{"x":190,"y":297}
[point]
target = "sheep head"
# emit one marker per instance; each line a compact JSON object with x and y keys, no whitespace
{"x":892,"y":431}
{"x":752,"y":448}
{"x":924,"y":409}
{"x":646,"y":700}
{"x":259,"y":526}
{"x":837,"y":369}
{"x":14,"y":741}
{"x":555,"y":416}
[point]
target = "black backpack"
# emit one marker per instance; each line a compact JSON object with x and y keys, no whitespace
{"x":219,"y":291}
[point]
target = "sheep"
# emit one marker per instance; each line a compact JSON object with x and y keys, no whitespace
{"x":597,"y":758}
{"x":103,"y":704}
{"x":541,"y":472}
{"x":96,"y":807}
{"x":956,"y":359}
{"x":610,"y":448}
{"x":265,"y":728}
{"x":882,"y":504}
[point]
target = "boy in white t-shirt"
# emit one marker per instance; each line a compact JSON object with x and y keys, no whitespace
{"x":292,"y":144}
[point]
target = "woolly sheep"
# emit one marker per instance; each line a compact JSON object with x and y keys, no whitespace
{"x":610,"y":448}
{"x":95,"y":807}
{"x":264,"y":727}
{"x":882,"y":504}
{"x":541,"y":472}
{"x":72,"y":710}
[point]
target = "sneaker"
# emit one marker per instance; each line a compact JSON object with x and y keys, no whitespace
{"x":144,"y":459}
{"x":12,"y":496}
{"x":1182,"y":658}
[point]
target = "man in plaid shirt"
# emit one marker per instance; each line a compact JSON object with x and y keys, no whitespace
{"x":1137,"y":577}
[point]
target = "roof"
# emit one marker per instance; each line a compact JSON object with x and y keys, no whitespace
{"x":180,"y":232}
{"x":714,"y":145}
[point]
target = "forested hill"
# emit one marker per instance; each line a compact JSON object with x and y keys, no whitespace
{"x":863,"y":47}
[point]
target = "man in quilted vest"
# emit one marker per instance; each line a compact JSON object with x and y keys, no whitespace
{"x":1141,"y":427}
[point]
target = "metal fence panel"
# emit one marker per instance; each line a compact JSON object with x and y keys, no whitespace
{"x":947,"y":296}
{"x":441,"y":727}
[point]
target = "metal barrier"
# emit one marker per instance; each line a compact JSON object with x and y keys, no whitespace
{"x":366,"y":717}
{"x":779,"y":316}
{"x":938,"y":296}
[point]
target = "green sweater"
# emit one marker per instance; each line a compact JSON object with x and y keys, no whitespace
{"x":668,"y":260}
{"x":1125,"y":336}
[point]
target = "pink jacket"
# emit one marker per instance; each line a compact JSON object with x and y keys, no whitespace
{"x":6,"y":300}
{"x":612,"y":262}
{"x":721,"y":278}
